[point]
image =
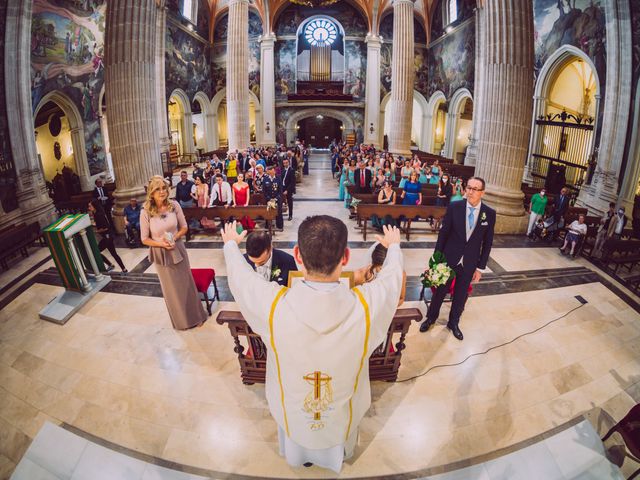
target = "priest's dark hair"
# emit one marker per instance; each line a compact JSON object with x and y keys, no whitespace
{"x":258,"y":243}
{"x":322,"y":241}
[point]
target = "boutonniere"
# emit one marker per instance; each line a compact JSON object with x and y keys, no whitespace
{"x":275,"y":273}
{"x":483,"y":217}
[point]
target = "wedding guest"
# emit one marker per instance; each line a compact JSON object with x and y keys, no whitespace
{"x":132,"y":218}
{"x":163,"y":227}
{"x":603,"y":230}
{"x":405,"y":173}
{"x":104,"y":229}
{"x":537,"y":207}
{"x":258,"y":179}
{"x":436,"y":172}
{"x":411,"y":193}
{"x":100,"y":194}
{"x":576,"y":230}
{"x":240,"y":192}
{"x":232,"y":169}
{"x":561,"y":205}
{"x":272,"y":189}
{"x":270,"y":263}
{"x":288,"y":185}
{"x":183,"y":191}
{"x":221,"y":195}
{"x":458,"y":191}
{"x":200,"y":192}
{"x":363,"y":179}
{"x":620,"y":222}
{"x":376,"y":255}
{"x":445,"y":192}
{"x":387,"y":196}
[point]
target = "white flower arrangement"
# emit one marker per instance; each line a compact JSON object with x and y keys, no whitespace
{"x":438,"y":272}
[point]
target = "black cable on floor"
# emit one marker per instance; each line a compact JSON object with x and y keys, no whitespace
{"x":433,"y":367}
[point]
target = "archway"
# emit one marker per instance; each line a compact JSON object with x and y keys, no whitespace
{"x":459,"y":123}
{"x":204,"y":123}
{"x":181,"y":125}
{"x":437,"y":115}
{"x":218,"y":108}
{"x":71,"y":150}
{"x":565,"y":116}
{"x":292,"y":121}
{"x":419,"y":123}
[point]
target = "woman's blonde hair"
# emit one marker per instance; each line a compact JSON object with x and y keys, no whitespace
{"x":155,"y":184}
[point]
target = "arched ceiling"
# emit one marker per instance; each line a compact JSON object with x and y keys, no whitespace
{"x":372,"y":10}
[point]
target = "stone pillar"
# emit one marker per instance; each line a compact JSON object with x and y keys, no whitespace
{"x":33,"y":200}
{"x":161,"y":89}
{"x":80,"y":157}
{"x":402,"y":78}
{"x":615,"y":119}
{"x":478,"y":92}
{"x":238,"y":75}
{"x":268,"y":89}
{"x":372,"y":102}
{"x":507,"y":109}
{"x":130,"y":70}
{"x":211,"y":131}
{"x":187,"y":128}
{"x":450,"y":133}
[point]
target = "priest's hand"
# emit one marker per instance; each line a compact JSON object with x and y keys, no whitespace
{"x":391,"y":236}
{"x":230,"y":233}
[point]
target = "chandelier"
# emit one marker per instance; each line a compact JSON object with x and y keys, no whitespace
{"x":314,"y":3}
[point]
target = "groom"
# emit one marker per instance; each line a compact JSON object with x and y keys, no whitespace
{"x":465,"y":238}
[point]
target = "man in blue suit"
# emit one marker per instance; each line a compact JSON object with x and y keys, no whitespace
{"x":465,"y":238}
{"x":274,"y":265}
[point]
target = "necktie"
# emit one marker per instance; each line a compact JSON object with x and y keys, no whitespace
{"x":362,"y":178}
{"x":471,"y":217}
{"x":220,"y":190}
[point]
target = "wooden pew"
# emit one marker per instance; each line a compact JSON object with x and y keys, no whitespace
{"x":366,"y":211}
{"x":620,"y":253}
{"x":18,"y":239}
{"x":384,"y":362}
{"x":254,"y":212}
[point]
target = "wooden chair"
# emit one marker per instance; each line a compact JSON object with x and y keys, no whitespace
{"x":629,"y":428}
{"x":203,"y":278}
{"x":252,"y":356}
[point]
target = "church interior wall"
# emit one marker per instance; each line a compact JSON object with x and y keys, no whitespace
{"x":45,"y":143}
{"x":67,"y":54}
{"x":284,"y":113}
{"x":8,"y":199}
{"x":632,"y":150}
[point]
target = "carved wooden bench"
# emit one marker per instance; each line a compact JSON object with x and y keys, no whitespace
{"x":252,"y":353}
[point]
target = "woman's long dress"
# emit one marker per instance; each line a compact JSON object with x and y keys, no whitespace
{"x":352,"y":180}
{"x":343,"y":189}
{"x":173,"y":269}
{"x":412,"y":193}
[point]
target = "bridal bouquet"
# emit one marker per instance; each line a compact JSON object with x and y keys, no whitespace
{"x":438,"y":272}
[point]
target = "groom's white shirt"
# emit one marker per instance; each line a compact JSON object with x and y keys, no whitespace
{"x":317,"y":330}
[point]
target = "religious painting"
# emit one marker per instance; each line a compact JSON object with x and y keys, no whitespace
{"x":282,"y":116}
{"x":386,"y":27}
{"x":254,"y":67}
{"x":346,"y":15}
{"x":187,"y":63}
{"x":355,"y":69}
{"x":357,"y":115}
{"x":255,"y":24}
{"x":219,"y":67}
{"x":285,"y":59}
{"x":221,"y":28}
{"x":421,"y":69}
{"x":450,"y":63}
{"x":385,"y":68}
{"x":8,"y":179}
{"x":580,"y":23}
{"x":67,"y":54}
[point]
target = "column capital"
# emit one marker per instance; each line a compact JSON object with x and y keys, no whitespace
{"x":267,"y":38}
{"x":373,"y":41}
{"x":233,"y":2}
{"x":400,"y":2}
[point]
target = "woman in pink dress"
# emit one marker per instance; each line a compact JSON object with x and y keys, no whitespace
{"x":240,"y":191}
{"x":200,"y":192}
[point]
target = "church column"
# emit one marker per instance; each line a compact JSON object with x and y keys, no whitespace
{"x":130,"y":69}
{"x":187,"y":128}
{"x":478,"y":93}
{"x":450,"y":134}
{"x":268,"y":89}
{"x":238,"y":75}
{"x":372,"y":125}
{"x":507,"y":108}
{"x":161,"y":89}
{"x":80,"y":157}
{"x":402,"y":78}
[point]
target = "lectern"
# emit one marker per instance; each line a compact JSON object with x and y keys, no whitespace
{"x":74,"y":249}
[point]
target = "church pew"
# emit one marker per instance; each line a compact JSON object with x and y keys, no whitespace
{"x":410,"y":212}
{"x":17,"y":240}
{"x":254,"y":212}
{"x":384,"y":362}
{"x":618,"y":252}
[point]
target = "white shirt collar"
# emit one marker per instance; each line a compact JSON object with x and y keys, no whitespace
{"x":265,"y":270}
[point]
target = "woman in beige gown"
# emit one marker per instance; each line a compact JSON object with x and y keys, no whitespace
{"x":162,"y":226}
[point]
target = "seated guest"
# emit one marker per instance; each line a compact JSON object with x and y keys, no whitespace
{"x":387,"y":196}
{"x":270,"y":263}
{"x":577,"y":229}
{"x":132,"y":218}
{"x":376,"y":256}
{"x":221,"y":193}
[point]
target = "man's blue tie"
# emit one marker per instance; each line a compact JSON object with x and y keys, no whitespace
{"x":471,"y":217}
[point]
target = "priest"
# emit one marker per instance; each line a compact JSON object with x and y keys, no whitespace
{"x":319,"y":336}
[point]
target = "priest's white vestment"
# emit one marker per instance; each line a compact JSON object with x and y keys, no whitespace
{"x":319,"y":341}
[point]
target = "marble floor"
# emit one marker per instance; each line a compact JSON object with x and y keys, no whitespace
{"x":118,"y":374}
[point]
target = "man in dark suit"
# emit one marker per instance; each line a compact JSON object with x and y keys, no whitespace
{"x":272,"y":190}
{"x":561,"y":204}
{"x":274,"y":265}
{"x":288,"y":184}
{"x":99,"y":193}
{"x":465,"y":238}
{"x":243,"y":161}
{"x":362,"y":177}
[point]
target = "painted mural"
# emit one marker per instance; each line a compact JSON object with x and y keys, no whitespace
{"x":67,"y":51}
{"x":285,"y":56}
{"x":355,"y":69}
{"x":450,"y":63}
{"x":635,"y":31}
{"x":386,"y":27}
{"x":255,"y":30}
{"x":8,"y":197}
{"x":219,"y":56}
{"x":421,"y":81}
{"x":385,"y":68}
{"x":580,"y":23}
{"x":351,"y":20}
{"x":187,"y":62}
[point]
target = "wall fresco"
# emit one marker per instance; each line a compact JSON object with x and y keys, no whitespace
{"x":355,"y":69}
{"x":285,"y":57}
{"x":351,"y":20}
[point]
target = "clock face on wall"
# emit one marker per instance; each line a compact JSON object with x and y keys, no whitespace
{"x":320,"y":32}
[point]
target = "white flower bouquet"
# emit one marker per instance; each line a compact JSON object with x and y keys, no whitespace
{"x":438,"y":272}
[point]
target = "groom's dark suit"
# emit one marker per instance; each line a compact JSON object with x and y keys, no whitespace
{"x":465,"y":256}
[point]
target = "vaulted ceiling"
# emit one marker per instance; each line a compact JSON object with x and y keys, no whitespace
{"x":372,"y":11}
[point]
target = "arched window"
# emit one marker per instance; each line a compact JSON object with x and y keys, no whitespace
{"x":190,"y":10}
{"x":450,"y":11}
